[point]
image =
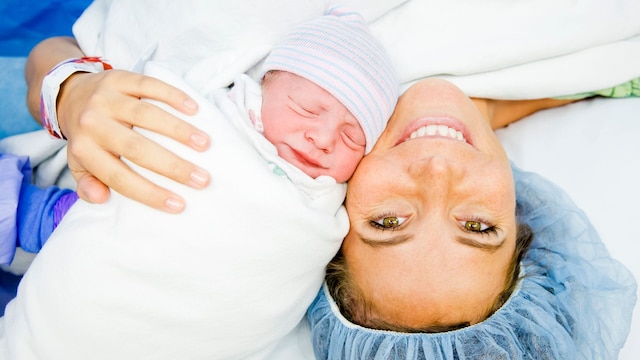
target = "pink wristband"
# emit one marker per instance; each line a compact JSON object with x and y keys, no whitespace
{"x":51,"y":87}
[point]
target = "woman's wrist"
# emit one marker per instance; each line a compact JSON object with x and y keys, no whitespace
{"x":43,"y":57}
{"x":52,"y":83}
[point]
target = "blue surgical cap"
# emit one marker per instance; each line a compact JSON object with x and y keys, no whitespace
{"x":573,"y":302}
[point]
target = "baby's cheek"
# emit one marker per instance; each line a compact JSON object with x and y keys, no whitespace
{"x":346,"y":165}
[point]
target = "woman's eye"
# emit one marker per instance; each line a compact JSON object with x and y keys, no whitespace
{"x":475,"y":226}
{"x":388,"y":222}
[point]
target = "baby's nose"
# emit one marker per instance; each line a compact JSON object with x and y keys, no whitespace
{"x":323,"y":136}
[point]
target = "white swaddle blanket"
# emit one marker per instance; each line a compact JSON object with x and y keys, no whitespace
{"x":227,"y":279}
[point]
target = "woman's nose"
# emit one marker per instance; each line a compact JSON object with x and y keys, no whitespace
{"x":434,"y":172}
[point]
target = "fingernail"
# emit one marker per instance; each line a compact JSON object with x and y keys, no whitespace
{"x":190,"y":104}
{"x":174,"y":205}
{"x":199,"y":140}
{"x":200,"y":177}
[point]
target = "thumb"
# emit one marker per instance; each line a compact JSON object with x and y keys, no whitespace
{"x":91,"y":189}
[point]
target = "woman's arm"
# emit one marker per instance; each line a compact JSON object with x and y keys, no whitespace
{"x":501,"y":113}
{"x":96,"y":112}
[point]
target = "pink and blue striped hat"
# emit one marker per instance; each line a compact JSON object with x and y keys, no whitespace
{"x":338,"y":53}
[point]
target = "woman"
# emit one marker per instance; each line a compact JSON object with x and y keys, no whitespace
{"x":436,"y":245}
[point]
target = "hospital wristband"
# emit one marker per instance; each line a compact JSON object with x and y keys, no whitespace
{"x":51,"y":87}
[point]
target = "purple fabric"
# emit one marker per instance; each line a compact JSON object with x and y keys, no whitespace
{"x":62,"y":206}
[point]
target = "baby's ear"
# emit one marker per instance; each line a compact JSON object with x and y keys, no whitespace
{"x":268,"y":76}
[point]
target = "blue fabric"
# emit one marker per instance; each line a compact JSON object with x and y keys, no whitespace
{"x":14,"y":115}
{"x":24,"y":23}
{"x":574,"y":302}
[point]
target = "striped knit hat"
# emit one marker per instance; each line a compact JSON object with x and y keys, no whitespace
{"x":338,"y":53}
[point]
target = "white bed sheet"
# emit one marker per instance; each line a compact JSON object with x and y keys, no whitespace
{"x":591,"y":149}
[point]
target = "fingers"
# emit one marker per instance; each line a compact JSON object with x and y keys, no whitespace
{"x":125,"y":181}
{"x":99,"y":111}
{"x":115,"y":96}
{"x":147,"y":116}
{"x":90,"y":162}
{"x":121,"y":140}
{"x":152,"y":88}
{"x":146,"y":153}
{"x":150,"y":117}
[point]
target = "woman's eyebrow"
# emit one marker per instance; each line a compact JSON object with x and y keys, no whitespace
{"x":480,"y":245}
{"x":394,"y":240}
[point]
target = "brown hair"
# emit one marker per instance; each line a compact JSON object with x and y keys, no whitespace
{"x":354,"y":307}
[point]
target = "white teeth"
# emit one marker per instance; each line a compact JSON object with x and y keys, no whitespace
{"x":439,"y":130}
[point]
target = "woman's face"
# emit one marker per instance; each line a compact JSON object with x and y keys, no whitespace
{"x":432,"y":211}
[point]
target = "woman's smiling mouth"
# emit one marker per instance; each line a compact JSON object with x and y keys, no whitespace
{"x":440,"y":127}
{"x":438,"y":130}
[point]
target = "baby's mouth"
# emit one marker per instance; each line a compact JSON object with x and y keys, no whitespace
{"x":305,"y":159}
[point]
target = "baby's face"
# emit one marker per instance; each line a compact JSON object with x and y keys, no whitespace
{"x":310,"y":128}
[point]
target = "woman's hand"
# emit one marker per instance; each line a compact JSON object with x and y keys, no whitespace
{"x":96,"y":113}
